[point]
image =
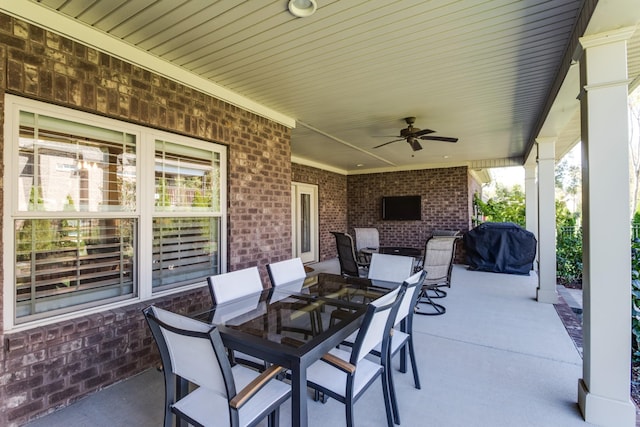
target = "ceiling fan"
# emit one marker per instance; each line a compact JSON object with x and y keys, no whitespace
{"x":411,"y":135}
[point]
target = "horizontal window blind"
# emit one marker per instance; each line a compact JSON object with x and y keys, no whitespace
{"x":184,"y":249}
{"x":62,"y":263}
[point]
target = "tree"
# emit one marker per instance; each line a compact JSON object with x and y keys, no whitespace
{"x":569,"y":182}
{"x":634,"y":148}
{"x":508,"y":205}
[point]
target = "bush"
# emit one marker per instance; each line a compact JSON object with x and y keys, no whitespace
{"x":569,"y":255}
{"x":635,"y":299}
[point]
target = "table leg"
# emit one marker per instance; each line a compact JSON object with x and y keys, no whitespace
{"x":299,"y":396}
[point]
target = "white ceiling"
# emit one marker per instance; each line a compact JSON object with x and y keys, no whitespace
{"x":479,"y":70}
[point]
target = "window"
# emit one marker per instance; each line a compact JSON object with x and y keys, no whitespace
{"x":104,"y":212}
{"x":187,"y":185}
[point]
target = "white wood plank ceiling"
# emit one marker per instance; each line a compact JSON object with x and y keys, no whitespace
{"x":478,"y":70}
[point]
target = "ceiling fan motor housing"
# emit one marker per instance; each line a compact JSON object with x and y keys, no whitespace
{"x":408,"y":131}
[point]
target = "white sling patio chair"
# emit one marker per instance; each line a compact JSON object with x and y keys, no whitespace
{"x":344,"y":375}
{"x":192,"y":352}
{"x":226,"y":288}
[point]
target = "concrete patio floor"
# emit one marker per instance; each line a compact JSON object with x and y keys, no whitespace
{"x":495,"y":358}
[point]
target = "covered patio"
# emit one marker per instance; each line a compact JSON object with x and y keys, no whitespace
{"x":291,"y":101}
{"x":496,"y":357}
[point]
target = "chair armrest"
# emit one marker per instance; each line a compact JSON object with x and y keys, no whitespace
{"x":339,"y":363}
{"x":254,"y":386}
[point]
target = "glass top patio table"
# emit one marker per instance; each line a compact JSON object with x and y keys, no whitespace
{"x":295,"y":324}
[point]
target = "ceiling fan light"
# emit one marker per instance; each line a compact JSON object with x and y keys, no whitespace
{"x":302,"y":8}
{"x":415,"y":145}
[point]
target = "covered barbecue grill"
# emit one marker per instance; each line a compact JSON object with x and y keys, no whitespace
{"x":500,"y":247}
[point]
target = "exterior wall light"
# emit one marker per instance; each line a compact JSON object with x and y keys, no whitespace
{"x":302,"y":8}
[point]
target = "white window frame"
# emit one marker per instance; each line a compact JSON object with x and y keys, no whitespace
{"x":145,"y":189}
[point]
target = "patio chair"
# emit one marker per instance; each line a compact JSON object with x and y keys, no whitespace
{"x":344,"y":375}
{"x":368,"y":239}
{"x":350,"y":265}
{"x":285,"y":272}
{"x":192,"y":352}
{"x":383,"y":268}
{"x":390,"y":268}
{"x":290,"y":275}
{"x":402,"y":337}
{"x":235,"y":284}
{"x":438,"y":263}
{"x":231,"y":286}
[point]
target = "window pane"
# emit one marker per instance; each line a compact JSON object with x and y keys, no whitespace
{"x":66,"y":263}
{"x":187,"y":178}
{"x":69,"y":172}
{"x":184,"y":250}
{"x":305,"y":222}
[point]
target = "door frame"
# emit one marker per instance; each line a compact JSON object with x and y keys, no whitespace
{"x":298,"y":188}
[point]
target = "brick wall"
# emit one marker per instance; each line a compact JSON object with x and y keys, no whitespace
{"x":445,"y":203}
{"x":332,"y":204}
{"x":355,"y":201}
{"x":44,"y":368}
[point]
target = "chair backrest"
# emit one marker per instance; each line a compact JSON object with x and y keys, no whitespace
{"x":367,"y":238}
{"x":438,"y":259}
{"x":346,"y":254}
{"x":413,"y":287}
{"x":191,"y":350}
{"x":287,"y":271}
{"x":228,"y":286}
{"x":239,"y":310}
{"x":390,"y":268}
{"x":377,"y":324}
{"x":444,"y":233}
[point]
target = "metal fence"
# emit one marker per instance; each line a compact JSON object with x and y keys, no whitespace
{"x":572,"y":231}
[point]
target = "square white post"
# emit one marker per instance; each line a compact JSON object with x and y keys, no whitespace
{"x":547,"y":291}
{"x":603,"y":392}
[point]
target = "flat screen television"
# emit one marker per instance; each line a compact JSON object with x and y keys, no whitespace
{"x":402,"y":208}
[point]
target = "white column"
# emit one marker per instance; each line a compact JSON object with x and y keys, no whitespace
{"x":603,"y":392}
{"x":547,"y":291}
{"x":531,"y":201}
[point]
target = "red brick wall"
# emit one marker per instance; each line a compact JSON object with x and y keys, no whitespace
{"x":445,"y":203}
{"x":332,"y":204}
{"x":44,"y":368}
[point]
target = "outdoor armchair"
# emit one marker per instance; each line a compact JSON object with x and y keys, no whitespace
{"x":235,"y":284}
{"x":350,"y":265}
{"x":390,"y":268}
{"x":344,"y":375}
{"x":289,"y":275}
{"x":192,"y":352}
{"x":438,"y":263}
{"x":231,"y":286}
{"x":287,"y":271}
{"x":402,"y":337}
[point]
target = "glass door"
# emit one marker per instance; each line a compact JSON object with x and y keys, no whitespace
{"x":304,"y":217}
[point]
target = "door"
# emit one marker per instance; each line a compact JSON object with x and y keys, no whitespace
{"x":304,"y":221}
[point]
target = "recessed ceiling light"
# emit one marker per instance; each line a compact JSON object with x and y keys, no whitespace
{"x":445,"y":157}
{"x":359,"y":165}
{"x":302,"y":8}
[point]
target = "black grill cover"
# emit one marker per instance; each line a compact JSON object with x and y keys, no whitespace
{"x":500,"y":247}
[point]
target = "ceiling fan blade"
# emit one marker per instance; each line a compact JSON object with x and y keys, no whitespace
{"x":382,"y":145}
{"x":440,"y":138}
{"x":423,"y":132}
{"x":415,"y":145}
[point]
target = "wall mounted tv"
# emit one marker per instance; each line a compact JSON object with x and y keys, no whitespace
{"x":402,"y":208}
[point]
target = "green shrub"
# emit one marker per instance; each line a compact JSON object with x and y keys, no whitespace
{"x":635,"y":298}
{"x":569,"y":255}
